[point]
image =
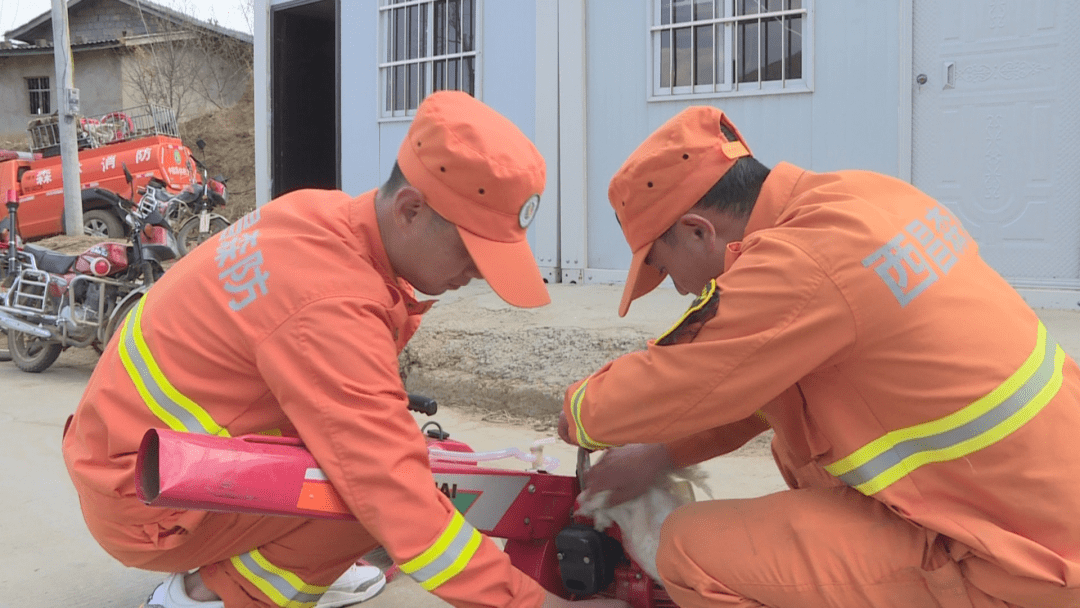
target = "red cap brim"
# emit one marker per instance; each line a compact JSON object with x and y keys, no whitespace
{"x":641,"y":279}
{"x":509,"y":268}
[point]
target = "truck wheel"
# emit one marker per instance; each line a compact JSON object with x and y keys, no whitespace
{"x":189,"y":237}
{"x":30,"y":353}
{"x":99,"y":222}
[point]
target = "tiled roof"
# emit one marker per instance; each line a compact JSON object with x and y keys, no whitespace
{"x":144,"y":5}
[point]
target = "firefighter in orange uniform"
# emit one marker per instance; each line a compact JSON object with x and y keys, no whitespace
{"x":291,"y":321}
{"x":924,"y":419}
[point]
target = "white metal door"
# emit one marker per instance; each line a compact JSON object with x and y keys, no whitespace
{"x":996,"y":133}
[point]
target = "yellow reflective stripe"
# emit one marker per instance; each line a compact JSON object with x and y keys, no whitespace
{"x":171,"y":421}
{"x":575,"y":411}
{"x":447,"y":556}
{"x":435,"y":550}
{"x":1011,"y":424}
{"x":696,"y":305}
{"x":979,"y":407}
{"x":163,"y":383}
{"x":283,"y":587}
{"x":991,"y":418}
{"x":457,"y":566}
{"x":170,"y":405}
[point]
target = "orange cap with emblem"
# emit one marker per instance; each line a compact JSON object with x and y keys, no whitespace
{"x":666,"y":176}
{"x":480,"y":172}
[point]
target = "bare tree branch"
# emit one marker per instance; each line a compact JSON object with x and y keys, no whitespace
{"x":186,"y":67}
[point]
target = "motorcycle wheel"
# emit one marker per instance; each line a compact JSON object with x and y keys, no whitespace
{"x":189,"y":237}
{"x":118,"y":319}
{"x":5,"y":354}
{"x":30,"y":353}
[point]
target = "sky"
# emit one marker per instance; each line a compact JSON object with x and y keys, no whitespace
{"x":228,"y":13}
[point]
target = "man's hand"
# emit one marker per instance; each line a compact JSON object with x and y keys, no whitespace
{"x":628,"y":471}
{"x":554,"y":601}
{"x":564,"y":429}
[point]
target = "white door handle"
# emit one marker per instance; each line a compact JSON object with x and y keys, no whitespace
{"x":949,"y":75}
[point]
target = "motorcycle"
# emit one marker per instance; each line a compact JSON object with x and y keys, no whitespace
{"x":192,"y":210}
{"x":52,"y":301}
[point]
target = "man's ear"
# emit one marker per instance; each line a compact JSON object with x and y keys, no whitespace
{"x":698,"y":229}
{"x":407,"y":206}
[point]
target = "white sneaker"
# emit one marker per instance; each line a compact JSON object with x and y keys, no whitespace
{"x":359,"y":583}
{"x":171,"y":594}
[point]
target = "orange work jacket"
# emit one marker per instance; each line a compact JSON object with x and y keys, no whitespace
{"x":857,"y":318}
{"x":291,"y":319}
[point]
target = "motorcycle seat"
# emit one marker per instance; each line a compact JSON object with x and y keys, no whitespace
{"x":188,"y":196}
{"x":51,"y":261}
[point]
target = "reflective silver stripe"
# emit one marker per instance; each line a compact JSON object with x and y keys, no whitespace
{"x":283,"y":587}
{"x":186,"y":420}
{"x":447,"y":556}
{"x":172,"y":407}
{"x":1008,"y":408}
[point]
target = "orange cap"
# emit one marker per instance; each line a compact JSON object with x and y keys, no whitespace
{"x":480,"y":172}
{"x":666,"y":176}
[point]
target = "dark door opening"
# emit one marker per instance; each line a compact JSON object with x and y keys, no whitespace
{"x":304,"y":137}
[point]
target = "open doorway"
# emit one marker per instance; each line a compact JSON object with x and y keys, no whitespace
{"x":305,"y":142}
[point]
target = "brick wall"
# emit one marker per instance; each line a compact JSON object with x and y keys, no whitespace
{"x":94,"y":20}
{"x":104,"y":20}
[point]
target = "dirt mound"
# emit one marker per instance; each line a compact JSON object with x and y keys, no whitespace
{"x":18,"y":142}
{"x":229,"y":134}
{"x":71,"y":245}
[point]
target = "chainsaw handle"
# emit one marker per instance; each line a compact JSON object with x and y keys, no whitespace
{"x":422,"y":404}
{"x":584,"y":463}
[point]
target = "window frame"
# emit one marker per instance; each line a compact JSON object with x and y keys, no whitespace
{"x":728,"y":88}
{"x":385,"y":64}
{"x":31,"y":90}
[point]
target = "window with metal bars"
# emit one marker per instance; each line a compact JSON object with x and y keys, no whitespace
{"x":706,"y":47}
{"x":39,"y":94}
{"x":429,"y":45}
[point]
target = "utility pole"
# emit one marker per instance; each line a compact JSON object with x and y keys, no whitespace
{"x":67,"y":106}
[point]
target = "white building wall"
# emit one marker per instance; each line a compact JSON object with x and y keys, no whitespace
{"x":361,"y":133}
{"x":507,"y":82}
{"x":507,"y":60}
{"x":851,"y":119}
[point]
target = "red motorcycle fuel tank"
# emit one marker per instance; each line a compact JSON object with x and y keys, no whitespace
{"x":102,"y":260}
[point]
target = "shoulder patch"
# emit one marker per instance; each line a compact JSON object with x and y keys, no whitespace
{"x":687,"y":327}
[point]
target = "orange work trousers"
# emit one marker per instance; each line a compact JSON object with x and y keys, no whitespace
{"x":317,"y":551}
{"x":807,"y":548}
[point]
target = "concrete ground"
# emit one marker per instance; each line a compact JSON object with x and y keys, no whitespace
{"x":49,"y":558}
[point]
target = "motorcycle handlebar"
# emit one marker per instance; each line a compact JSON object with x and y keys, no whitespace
{"x":424,"y":405}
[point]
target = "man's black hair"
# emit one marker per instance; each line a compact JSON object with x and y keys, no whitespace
{"x":394,"y":182}
{"x":735,"y":193}
{"x":737,"y":190}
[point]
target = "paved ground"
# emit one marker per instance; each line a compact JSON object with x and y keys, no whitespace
{"x":50,"y":560}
